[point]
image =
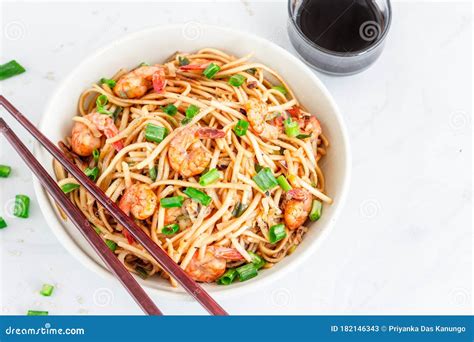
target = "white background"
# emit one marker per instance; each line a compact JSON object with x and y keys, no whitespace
{"x":403,"y":242}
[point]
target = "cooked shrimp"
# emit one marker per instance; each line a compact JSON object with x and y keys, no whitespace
{"x":83,"y":141}
{"x":213,"y":264}
{"x":187,"y":155}
{"x":137,"y":82}
{"x":140,"y":200}
{"x":256,"y":114}
{"x":297,"y":207}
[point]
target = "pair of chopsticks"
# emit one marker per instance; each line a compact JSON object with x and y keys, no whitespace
{"x":81,"y":222}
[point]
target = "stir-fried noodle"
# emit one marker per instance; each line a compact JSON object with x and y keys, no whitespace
{"x":211,"y":154}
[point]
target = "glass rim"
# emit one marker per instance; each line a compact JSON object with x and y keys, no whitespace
{"x":343,"y":54}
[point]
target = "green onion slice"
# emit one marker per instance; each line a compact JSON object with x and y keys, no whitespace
{"x":241,"y":128}
{"x":303,"y":136}
{"x":246,"y":272}
{"x":153,"y":173}
{"x":191,"y":111}
{"x":3,"y":224}
{"x":251,"y":71}
{"x":284,"y":183}
{"x":92,"y":173}
{"x":10,"y":69}
{"x":155,"y":133}
{"x":96,"y":155}
{"x":185,"y":121}
{"x":257,"y":260}
{"x":109,"y":82}
{"x":211,"y":70}
{"x":277,"y":232}
{"x":237,"y":80}
{"x":117,"y":112}
{"x":316,"y":210}
{"x":111,"y":244}
{"x":281,"y":89}
{"x":198,"y":196}
{"x":265,"y":179}
{"x":37,"y":313}
{"x":239,"y":209}
{"x":292,"y":129}
{"x":47,"y":290}
{"x":170,"y":229}
{"x":22,"y":206}
{"x":170,"y":109}
{"x":5,"y":171}
{"x":142,"y":273}
{"x":101,"y":101}
{"x":209,"y":177}
{"x":228,"y":277}
{"x":68,"y":187}
{"x":172,"y":202}
{"x":183,"y":60}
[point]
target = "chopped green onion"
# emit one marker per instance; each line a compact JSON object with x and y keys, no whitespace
{"x":246,"y":272}
{"x":170,"y":109}
{"x":281,"y":89}
{"x":170,"y":229}
{"x":111,"y":244}
{"x":10,"y":69}
{"x":153,"y":173}
{"x":239,"y":209}
{"x":117,"y":112}
{"x":257,"y":260}
{"x":265,"y":179}
{"x":96,"y":155}
{"x":5,"y":171}
{"x":92,"y":173}
{"x":284,"y":183}
{"x":251,"y":71}
{"x":198,"y":196}
{"x":183,"y":60}
{"x":292,"y":129}
{"x":185,"y":121}
{"x":155,"y":133}
{"x":237,"y":80}
{"x":143,"y":64}
{"x":22,"y":206}
{"x":3,"y":224}
{"x":97,"y":230}
{"x":258,"y":167}
{"x":191,"y":111}
{"x":109,"y":82}
{"x":47,"y":290}
{"x":303,"y":136}
{"x":142,"y":273}
{"x":211,"y":70}
{"x":209,"y":177}
{"x":37,"y":313}
{"x":101,"y":101}
{"x":172,"y":202}
{"x":277,"y":233}
{"x":68,"y":187}
{"x":316,"y":210}
{"x":228,"y":277}
{"x":241,"y":128}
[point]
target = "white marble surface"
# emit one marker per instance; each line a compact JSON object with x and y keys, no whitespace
{"x":403,"y":243}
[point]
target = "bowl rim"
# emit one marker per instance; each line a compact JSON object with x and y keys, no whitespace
{"x":54,"y":222}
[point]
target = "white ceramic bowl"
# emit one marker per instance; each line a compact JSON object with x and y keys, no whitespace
{"x":155,"y":45}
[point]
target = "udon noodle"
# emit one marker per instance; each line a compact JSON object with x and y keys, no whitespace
{"x":212,"y":155}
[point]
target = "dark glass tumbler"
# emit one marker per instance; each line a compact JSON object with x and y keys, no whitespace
{"x":337,"y":62}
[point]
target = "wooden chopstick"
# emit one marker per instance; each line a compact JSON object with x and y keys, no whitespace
{"x":155,"y":251}
{"x":80,"y":221}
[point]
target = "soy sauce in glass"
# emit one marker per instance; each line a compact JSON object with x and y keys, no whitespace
{"x":339,"y":36}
